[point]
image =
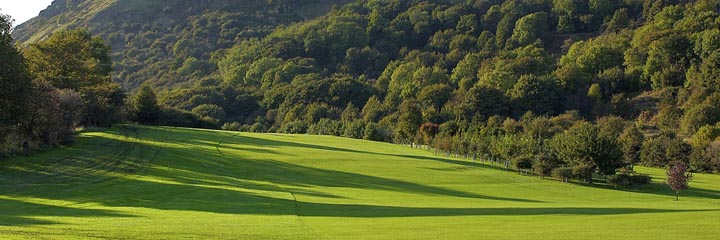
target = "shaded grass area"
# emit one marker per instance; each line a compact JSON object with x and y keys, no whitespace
{"x":169,"y":183}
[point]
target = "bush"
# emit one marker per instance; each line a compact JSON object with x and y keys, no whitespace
{"x":698,"y":116}
{"x":354,"y":129}
{"x":562,"y":173}
{"x":210,"y":110}
{"x":326,"y":126}
{"x":257,"y":128}
{"x":181,"y":118}
{"x":544,"y":164}
{"x":233,"y":126}
{"x":629,"y":180}
{"x":523,"y":162}
{"x":295,"y":127}
{"x":705,"y":135}
{"x":373,"y":132}
{"x":583,"y":172}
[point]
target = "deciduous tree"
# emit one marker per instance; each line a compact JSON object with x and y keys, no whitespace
{"x":678,"y":177}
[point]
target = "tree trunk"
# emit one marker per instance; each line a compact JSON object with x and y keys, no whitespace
{"x":677,"y":194}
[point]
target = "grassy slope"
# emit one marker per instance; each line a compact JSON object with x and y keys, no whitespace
{"x":170,"y":183}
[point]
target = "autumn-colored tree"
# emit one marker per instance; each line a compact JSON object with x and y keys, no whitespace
{"x":428,"y":131}
{"x":678,"y":177}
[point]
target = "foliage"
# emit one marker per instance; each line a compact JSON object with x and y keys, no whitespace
{"x":209,"y":110}
{"x":699,"y":116}
{"x":562,"y":173}
{"x":169,"y":44}
{"x":631,"y":140}
{"x":636,"y":180}
{"x":678,"y":177}
{"x":586,"y":150}
{"x":294,"y":127}
{"x":146,"y":106}
{"x":15,"y":86}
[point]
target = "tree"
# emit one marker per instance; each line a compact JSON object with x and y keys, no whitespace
{"x":69,"y":103}
{"x":678,"y":177}
{"x":529,"y":28}
{"x":409,"y":120}
{"x":372,"y":132}
{"x":583,"y":147}
{"x":316,"y":111}
{"x":71,"y":59}
{"x":15,"y":84}
{"x":485,"y":101}
{"x":631,"y":140}
{"x":211,"y":111}
{"x":435,"y":95}
{"x":146,"y":106}
{"x":354,"y":129}
{"x":523,"y":162}
{"x":373,"y":110}
{"x":428,"y":131}
{"x":698,"y":116}
{"x":350,"y":113}
{"x":544,"y":164}
{"x":619,"y":20}
{"x":540,"y":95}
{"x":76,"y":60}
{"x":705,"y":135}
{"x":562,"y":173}
{"x":661,"y":150}
{"x":101,"y":103}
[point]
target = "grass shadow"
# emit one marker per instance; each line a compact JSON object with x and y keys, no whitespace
{"x":19,"y":213}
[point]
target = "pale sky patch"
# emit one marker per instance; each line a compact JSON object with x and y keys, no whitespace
{"x":23,"y":10}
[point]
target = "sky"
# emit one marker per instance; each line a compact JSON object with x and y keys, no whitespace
{"x":23,"y":10}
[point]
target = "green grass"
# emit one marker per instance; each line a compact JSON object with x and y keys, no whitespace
{"x":172,"y":183}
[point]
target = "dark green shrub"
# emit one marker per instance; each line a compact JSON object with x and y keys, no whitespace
{"x":295,"y":127}
{"x":583,"y":172}
{"x":233,"y":126}
{"x":563,"y":173}
{"x":326,"y":126}
{"x":524,"y":162}
{"x":629,"y":180}
{"x":544,"y":164}
{"x":257,"y":128}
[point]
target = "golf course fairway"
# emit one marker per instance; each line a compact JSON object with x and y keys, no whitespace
{"x":136,"y":182}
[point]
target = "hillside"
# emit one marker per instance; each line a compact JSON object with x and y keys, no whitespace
{"x":152,"y":39}
{"x":173,"y":183}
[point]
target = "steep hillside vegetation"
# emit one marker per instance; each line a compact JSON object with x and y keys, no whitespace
{"x":477,"y":68}
{"x":170,"y":183}
{"x":152,"y":39}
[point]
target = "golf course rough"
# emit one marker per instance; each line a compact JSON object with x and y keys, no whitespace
{"x":136,"y":182}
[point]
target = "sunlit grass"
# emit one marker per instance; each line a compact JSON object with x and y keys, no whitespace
{"x":172,"y":183}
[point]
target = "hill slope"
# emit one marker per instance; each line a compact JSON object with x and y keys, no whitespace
{"x":151,"y":39}
{"x":171,"y":183}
